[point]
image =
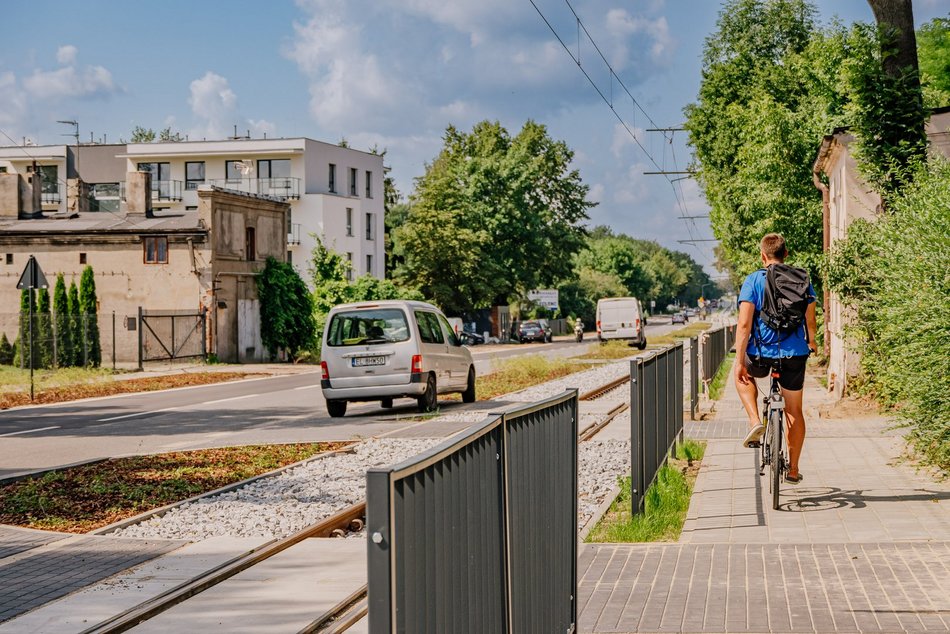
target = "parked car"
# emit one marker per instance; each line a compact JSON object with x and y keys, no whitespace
{"x":621,"y":318}
{"x":471,"y":338}
{"x":392,"y":349}
{"x":679,"y":318}
{"x":532,"y":330}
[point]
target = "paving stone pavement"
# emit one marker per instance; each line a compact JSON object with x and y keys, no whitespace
{"x":48,"y":570}
{"x":862,"y":545}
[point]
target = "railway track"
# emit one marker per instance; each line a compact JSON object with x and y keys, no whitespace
{"x":347,"y":612}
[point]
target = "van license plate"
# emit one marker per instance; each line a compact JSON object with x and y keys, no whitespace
{"x":359,"y":362}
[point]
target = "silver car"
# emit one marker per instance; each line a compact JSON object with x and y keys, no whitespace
{"x":392,"y":349}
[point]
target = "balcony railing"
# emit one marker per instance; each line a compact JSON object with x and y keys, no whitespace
{"x":293,"y":236}
{"x":50,"y":194}
{"x":283,"y":187}
{"x":166,"y":190}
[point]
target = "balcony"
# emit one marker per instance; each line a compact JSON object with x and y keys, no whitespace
{"x":283,"y":187}
{"x":50,"y":194}
{"x":166,"y":191}
{"x":293,"y":236}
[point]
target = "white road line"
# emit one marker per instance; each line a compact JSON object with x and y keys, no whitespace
{"x":154,"y":411}
{"x":29,"y":431}
{"x":306,"y":387}
{"x":225,"y":400}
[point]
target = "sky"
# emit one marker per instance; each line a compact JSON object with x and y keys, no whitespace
{"x":390,"y":74}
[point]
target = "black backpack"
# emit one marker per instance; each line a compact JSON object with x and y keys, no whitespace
{"x":785,"y":299}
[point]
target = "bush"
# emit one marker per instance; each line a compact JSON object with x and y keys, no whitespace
{"x":286,"y":309}
{"x":896,"y":274}
{"x":6,"y":351}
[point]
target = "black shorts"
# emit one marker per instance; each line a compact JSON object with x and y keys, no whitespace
{"x":791,"y":370}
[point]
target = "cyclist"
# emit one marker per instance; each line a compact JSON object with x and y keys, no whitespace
{"x":758,"y":346}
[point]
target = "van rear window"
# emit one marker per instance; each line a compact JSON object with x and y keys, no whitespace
{"x":368,"y":327}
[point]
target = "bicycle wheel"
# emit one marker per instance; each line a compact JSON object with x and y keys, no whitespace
{"x":778,"y":462}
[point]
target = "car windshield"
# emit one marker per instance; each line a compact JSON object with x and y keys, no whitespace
{"x":368,"y":327}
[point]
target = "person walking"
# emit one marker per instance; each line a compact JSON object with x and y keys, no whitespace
{"x":783,"y":296}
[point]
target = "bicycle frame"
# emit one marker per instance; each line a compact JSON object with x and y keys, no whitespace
{"x":774,"y":451}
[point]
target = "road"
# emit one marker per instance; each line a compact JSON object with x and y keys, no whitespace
{"x":252,"y":411}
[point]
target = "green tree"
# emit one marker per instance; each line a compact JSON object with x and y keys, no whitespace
{"x":76,"y":335}
{"x":287,"y":319}
{"x":933,"y":52}
{"x":43,"y":335}
{"x":64,"y":342}
{"x":142,"y":135}
{"x":88,"y":307}
{"x":6,"y":350}
{"x":488,"y":212}
{"x":23,"y":347}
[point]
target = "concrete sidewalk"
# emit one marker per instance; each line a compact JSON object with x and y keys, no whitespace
{"x":862,"y":545}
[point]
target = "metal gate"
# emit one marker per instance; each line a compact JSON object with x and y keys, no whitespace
{"x":165,"y":335}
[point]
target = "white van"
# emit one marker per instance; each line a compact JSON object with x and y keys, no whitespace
{"x":392,"y":349}
{"x":621,"y":318}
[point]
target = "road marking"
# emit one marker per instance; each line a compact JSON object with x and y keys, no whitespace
{"x":29,"y":431}
{"x":306,"y":387}
{"x":154,"y":411}
{"x":225,"y":400}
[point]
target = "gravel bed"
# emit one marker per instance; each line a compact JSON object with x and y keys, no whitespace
{"x":599,"y":464}
{"x":584,"y":381}
{"x":284,"y":504}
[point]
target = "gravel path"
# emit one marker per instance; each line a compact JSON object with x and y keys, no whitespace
{"x":599,"y":464}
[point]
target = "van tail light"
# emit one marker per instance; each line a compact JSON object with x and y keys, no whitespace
{"x":326,"y":371}
{"x":416,"y":364}
{"x":638,"y":324}
{"x":598,"y":325}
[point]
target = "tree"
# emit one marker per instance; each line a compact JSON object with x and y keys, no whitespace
{"x":486,"y":215}
{"x":76,"y":334}
{"x":88,"y":307}
{"x":6,"y":350}
{"x":142,"y":135}
{"x":287,"y":320}
{"x":168,"y":135}
{"x":23,"y":354}
{"x":43,"y":334}
{"x":933,"y":51}
{"x":64,"y":341}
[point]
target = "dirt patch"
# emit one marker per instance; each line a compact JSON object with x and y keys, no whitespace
{"x":849,"y":407}
{"x":111,"y":388}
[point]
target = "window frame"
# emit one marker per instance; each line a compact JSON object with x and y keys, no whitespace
{"x":156,"y":241}
{"x":369,"y":184}
{"x":354,"y":178}
{"x":369,"y":264}
{"x":250,"y":244}
{"x":349,"y":222}
{"x":370,"y":225}
{"x":331,"y":178}
{"x":191,"y":184}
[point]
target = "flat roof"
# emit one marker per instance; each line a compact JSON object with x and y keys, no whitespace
{"x":104,"y":222}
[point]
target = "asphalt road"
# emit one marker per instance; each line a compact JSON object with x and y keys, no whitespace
{"x":260,"y":410}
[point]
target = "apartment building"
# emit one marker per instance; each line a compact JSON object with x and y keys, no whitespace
{"x":334,"y":192}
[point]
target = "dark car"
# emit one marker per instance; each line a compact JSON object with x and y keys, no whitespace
{"x":532,"y":330}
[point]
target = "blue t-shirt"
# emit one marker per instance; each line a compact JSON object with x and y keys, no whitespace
{"x":771,"y":344}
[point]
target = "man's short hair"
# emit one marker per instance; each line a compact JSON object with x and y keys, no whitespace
{"x":773,"y":246}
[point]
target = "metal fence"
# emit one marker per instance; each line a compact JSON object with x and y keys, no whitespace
{"x":693,"y":377}
{"x":479,"y":534}
{"x":166,"y":335}
{"x":68,"y":341}
{"x":656,"y":415}
{"x":715,"y":346}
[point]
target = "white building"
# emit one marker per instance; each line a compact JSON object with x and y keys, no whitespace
{"x":50,"y":162}
{"x":334,"y":192}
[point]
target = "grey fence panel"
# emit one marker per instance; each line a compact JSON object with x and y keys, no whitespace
{"x":165,"y":335}
{"x":542,"y":493}
{"x":479,"y":534}
{"x":656,"y":415}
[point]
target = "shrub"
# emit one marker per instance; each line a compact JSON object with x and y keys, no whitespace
{"x":88,"y":307}
{"x":286,"y":309}
{"x":6,"y":350}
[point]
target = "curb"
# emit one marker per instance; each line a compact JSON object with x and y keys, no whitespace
{"x":598,"y":514}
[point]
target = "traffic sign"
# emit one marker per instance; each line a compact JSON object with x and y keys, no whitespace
{"x":32,"y":276}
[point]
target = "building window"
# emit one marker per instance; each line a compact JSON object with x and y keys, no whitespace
{"x":49,"y":182}
{"x":290,"y":257}
{"x":104,"y":197}
{"x":349,"y":221}
{"x":3,"y":169}
{"x":250,"y":244}
{"x":370,"y":221}
{"x":349,"y":268}
{"x":352,"y":181}
{"x":331,"y":185}
{"x":369,"y":264}
{"x":82,"y":258}
{"x":273,"y":168}
{"x":191,"y":207}
{"x":156,"y":250}
{"x":194,"y":174}
{"x":9,"y":258}
{"x":369,"y":184}
{"x":159,"y":171}
{"x":234,"y":171}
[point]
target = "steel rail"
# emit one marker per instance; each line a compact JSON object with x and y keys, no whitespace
{"x":603,"y":389}
{"x":591,"y":430}
{"x":148,"y":609}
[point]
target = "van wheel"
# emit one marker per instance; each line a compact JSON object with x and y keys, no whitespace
{"x":386,"y":403}
{"x":468,"y":396}
{"x":643,"y":344}
{"x":430,"y":398}
{"x":336,"y":409}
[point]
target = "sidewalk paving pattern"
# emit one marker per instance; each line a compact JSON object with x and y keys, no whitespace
{"x":862,"y":545}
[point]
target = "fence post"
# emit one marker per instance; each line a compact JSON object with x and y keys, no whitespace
{"x":204,"y":332}
{"x":141,"y":325}
{"x":678,"y":390}
{"x":379,"y":539}
{"x":636,"y":434}
{"x":113,"y":340}
{"x":693,"y":376}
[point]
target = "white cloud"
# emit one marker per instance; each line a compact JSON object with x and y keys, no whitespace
{"x":214,"y":105}
{"x":622,"y":139}
{"x":633,"y":187}
{"x":625,"y":28}
{"x":596,"y":193}
{"x":70,"y":82}
{"x":66,"y":55}
{"x":260,"y":127}
{"x":12,"y":104}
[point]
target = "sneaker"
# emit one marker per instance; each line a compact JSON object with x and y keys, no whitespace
{"x":794,"y":480}
{"x":754,"y":436}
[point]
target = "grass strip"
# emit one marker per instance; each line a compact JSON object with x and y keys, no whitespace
{"x":612,"y":350}
{"x":665,"y":503}
{"x":84,"y":498}
{"x":511,"y":375}
{"x":722,"y":375}
{"x":96,"y":383}
{"x":686,"y":332}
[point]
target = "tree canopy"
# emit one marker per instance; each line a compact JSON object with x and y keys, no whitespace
{"x":287,"y":320}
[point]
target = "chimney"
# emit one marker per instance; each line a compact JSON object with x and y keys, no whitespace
{"x":31,"y":198}
{"x":10,"y":195}
{"x":138,"y":194}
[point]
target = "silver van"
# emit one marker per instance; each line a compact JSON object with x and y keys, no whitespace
{"x":379,"y":351}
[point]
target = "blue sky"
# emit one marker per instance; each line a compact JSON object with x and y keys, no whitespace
{"x":391,"y":73}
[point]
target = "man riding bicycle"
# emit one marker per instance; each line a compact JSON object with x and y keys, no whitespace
{"x":759,"y":348}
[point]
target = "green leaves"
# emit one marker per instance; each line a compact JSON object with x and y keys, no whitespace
{"x":287,"y":318}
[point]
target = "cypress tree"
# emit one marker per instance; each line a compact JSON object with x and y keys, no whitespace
{"x":43,"y":330}
{"x":75,"y":325}
{"x":88,"y":305}
{"x":6,"y":350}
{"x":64,"y":341}
{"x":23,"y":348}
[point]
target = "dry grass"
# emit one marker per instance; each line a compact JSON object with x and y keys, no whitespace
{"x":511,"y":375}
{"x":686,"y":332}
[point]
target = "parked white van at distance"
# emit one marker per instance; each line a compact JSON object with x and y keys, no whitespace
{"x":621,"y":318}
{"x":378,"y":351}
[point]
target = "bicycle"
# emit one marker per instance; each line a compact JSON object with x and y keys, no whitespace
{"x":774,"y":450}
